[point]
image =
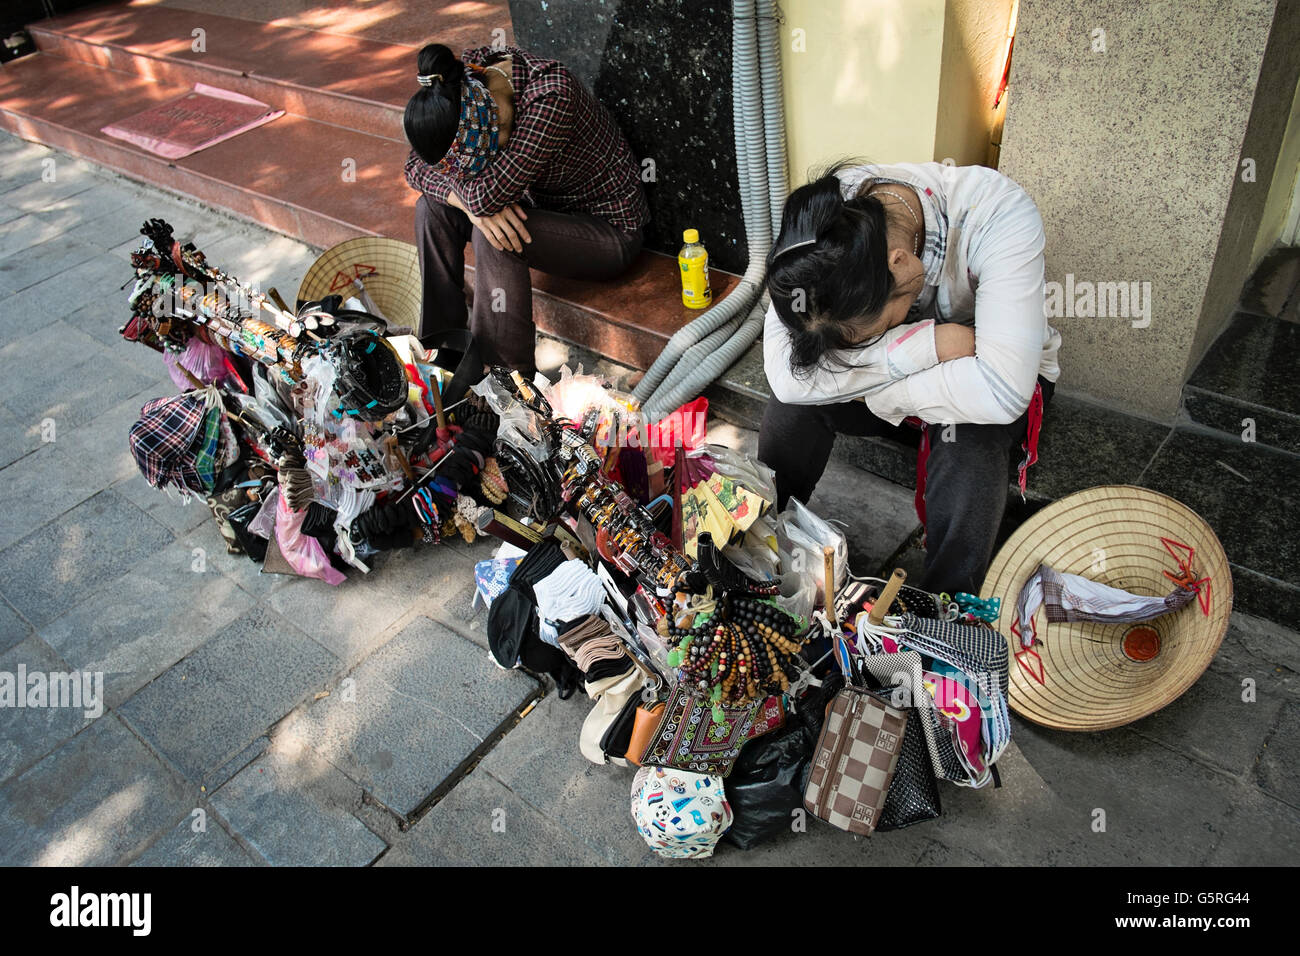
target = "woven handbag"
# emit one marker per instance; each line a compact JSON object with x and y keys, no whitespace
{"x":913,"y":795}
{"x":855,"y":760}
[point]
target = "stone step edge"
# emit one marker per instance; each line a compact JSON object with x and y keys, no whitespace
{"x":375,"y":117}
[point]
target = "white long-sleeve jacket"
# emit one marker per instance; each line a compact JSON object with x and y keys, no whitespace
{"x":989,"y":274}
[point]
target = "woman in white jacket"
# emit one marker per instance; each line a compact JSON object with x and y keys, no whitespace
{"x":912,"y":292}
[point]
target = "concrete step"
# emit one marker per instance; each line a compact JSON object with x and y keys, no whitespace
{"x":345,"y":81}
{"x":286,"y":175}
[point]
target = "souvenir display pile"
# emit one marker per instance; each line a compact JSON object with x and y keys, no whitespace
{"x":654,"y":575}
{"x":318,"y":437}
{"x":639,"y":564}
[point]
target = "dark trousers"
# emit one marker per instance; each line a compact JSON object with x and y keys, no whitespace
{"x":573,"y":245}
{"x":966,"y":483}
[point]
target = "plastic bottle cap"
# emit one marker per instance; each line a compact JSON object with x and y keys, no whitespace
{"x":691,"y":235}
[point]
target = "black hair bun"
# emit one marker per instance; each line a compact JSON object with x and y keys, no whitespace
{"x":437,"y":59}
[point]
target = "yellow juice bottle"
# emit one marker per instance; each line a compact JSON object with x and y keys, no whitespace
{"x":694,"y":263}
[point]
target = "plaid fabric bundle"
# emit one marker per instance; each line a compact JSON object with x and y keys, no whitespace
{"x":179,"y":441}
{"x":1070,"y":597}
{"x":855,"y":760}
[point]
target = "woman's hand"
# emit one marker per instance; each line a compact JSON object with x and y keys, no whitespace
{"x":504,"y":229}
{"x":953,"y":341}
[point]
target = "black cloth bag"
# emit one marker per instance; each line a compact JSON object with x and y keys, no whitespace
{"x":767,"y":782}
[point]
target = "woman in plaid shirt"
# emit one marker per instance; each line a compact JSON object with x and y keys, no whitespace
{"x":513,"y":154}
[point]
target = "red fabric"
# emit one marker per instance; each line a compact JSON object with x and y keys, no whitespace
{"x":1030,"y":445}
{"x":922,"y":456}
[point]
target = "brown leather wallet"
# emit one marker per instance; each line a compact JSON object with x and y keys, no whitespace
{"x":644,"y":725}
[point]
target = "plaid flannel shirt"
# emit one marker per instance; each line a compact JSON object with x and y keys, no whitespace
{"x":565,"y":152}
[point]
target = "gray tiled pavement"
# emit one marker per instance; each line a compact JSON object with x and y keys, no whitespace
{"x":255,"y":719}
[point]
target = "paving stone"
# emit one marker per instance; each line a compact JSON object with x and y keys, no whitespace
{"x":213,"y":846}
{"x":112,"y":213}
{"x":423,"y":705}
{"x":240,"y":568}
{"x":103,"y":443}
{"x":43,"y":260}
{"x":93,"y":802}
{"x":1162,"y":808}
{"x":939,"y":854}
{"x":1259,"y":831}
{"x":1263,"y":596}
{"x":134,"y":627}
{"x":13,"y":628}
{"x":539,"y":760}
{"x":71,"y":176}
{"x":218,"y":778}
{"x":877,"y":515}
{"x":17,"y":438}
{"x":40,"y":486}
{"x":460,"y":831}
{"x":819,"y":845}
{"x":61,"y":374}
{"x":1278,"y":772}
{"x":47,"y":572}
{"x":180,"y":514}
{"x":103,"y":280}
{"x":28,"y":733}
{"x":1025,"y":821}
{"x":1212,"y":722}
{"x":263,"y":260}
{"x":212,"y":704}
{"x":295,"y":810}
{"x":1266,"y":650}
{"x":1249,"y":494}
{"x":353,"y":618}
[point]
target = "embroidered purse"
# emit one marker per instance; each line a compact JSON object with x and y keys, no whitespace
{"x":688,"y":737}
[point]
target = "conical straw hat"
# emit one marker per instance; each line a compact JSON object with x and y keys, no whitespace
{"x":389,"y":268}
{"x":1083,"y":675}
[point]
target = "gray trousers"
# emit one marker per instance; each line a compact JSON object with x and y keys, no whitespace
{"x":572,"y":245}
{"x":966,"y":485}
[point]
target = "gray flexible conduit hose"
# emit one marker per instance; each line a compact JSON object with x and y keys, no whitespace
{"x":700,"y":352}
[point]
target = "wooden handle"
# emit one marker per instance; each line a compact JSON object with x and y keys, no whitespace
{"x":828,"y":564}
{"x":436,"y":389}
{"x":881,"y":607}
{"x":274,"y":295}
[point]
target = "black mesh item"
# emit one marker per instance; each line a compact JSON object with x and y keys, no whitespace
{"x":913,"y":795}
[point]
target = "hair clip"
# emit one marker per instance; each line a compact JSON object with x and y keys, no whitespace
{"x":793,"y":245}
{"x":426,"y":79}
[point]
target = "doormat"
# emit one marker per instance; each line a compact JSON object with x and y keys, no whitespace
{"x":199,"y":119}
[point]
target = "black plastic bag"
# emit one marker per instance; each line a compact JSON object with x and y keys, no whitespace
{"x":766,"y":784}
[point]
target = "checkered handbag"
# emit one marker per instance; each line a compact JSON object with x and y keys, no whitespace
{"x":855,"y":760}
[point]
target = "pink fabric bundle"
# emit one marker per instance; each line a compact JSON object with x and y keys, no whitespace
{"x":303,"y":552}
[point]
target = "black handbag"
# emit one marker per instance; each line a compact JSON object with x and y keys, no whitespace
{"x":913,"y":795}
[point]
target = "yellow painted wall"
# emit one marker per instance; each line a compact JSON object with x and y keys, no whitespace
{"x":1285,"y":172}
{"x":890,"y":80}
{"x":861,"y":80}
{"x":974,"y":44}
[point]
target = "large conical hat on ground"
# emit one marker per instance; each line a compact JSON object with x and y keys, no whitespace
{"x":389,"y":268}
{"x":1084,"y":675}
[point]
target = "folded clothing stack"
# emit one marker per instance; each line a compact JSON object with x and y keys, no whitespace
{"x":594,"y":647}
{"x":571,"y":591}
